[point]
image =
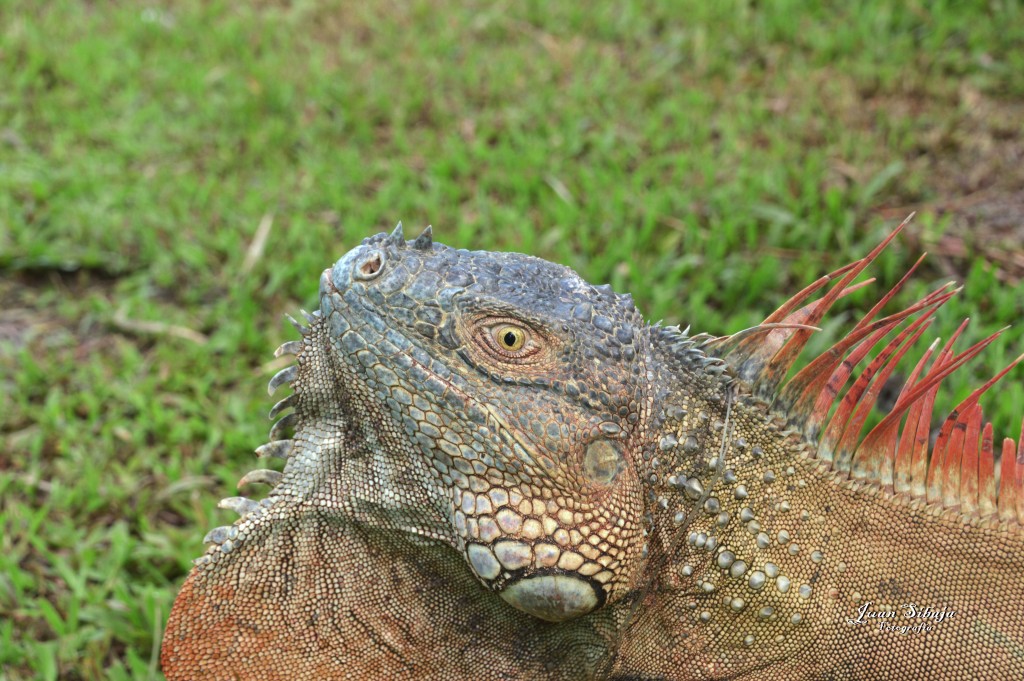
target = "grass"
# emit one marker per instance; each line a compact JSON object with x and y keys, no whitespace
{"x":711,"y":160}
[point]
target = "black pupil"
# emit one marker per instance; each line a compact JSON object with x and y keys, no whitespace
{"x":509,"y":338}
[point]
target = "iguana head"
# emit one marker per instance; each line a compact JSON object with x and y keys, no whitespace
{"x":521,"y":387}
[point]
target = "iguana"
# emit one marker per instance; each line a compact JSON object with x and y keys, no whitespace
{"x":498,"y":470}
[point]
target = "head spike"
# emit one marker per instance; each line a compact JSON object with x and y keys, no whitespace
{"x":398,"y":236}
{"x":425,"y":241}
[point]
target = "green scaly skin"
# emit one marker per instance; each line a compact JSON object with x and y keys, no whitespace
{"x":500,"y":471}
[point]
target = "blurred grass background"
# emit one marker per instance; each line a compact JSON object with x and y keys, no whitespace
{"x":174,"y":176}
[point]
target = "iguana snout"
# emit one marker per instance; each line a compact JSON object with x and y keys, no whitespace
{"x":527,"y":410}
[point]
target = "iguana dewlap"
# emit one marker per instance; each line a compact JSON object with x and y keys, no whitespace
{"x":493,"y":469}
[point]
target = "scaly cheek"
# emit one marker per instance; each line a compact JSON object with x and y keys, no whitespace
{"x":554,"y":555}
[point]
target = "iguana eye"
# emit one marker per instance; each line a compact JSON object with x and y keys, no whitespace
{"x":510,"y":338}
{"x":507,"y":340}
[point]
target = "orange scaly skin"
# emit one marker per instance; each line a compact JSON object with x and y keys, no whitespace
{"x":497,"y":470}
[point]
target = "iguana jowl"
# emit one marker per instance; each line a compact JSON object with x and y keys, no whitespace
{"x":500,"y":471}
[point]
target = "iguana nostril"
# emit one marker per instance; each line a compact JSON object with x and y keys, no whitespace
{"x":370,"y":266}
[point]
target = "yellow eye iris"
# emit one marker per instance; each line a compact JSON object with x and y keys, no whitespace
{"x":504,"y":342}
{"x":510,"y":338}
